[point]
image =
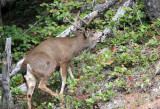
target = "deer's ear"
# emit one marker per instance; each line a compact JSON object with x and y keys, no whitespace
{"x":86,"y":34}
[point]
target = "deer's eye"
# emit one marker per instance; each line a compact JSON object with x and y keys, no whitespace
{"x":94,"y":32}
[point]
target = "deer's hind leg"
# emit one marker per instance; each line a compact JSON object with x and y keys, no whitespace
{"x":44,"y":80}
{"x":31,"y":82}
{"x":42,"y":86}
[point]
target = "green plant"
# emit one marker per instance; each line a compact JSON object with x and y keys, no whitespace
{"x":152,"y":42}
{"x":16,"y":80}
{"x":17,"y":94}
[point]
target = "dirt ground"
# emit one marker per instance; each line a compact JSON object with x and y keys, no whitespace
{"x":137,"y":100}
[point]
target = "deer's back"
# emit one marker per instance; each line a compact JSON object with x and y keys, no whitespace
{"x":49,"y":54}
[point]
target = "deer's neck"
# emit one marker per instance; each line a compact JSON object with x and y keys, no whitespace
{"x":78,"y":44}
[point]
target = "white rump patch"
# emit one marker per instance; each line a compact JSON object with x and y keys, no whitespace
{"x":30,"y":78}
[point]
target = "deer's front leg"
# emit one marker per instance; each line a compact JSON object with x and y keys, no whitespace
{"x":63,"y":71}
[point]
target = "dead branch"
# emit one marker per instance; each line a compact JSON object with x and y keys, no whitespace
{"x":6,"y":75}
{"x":108,"y":32}
{"x":16,"y":68}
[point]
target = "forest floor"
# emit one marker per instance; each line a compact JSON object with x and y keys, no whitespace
{"x":137,"y":99}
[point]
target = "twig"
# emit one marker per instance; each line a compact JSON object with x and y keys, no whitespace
{"x":137,"y":14}
{"x":35,"y":23}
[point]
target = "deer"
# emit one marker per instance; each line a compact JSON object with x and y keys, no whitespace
{"x":54,"y":54}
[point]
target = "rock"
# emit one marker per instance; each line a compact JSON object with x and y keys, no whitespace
{"x":152,"y":8}
{"x":157,"y":68}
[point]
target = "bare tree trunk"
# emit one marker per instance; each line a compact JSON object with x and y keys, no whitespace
{"x":6,"y":75}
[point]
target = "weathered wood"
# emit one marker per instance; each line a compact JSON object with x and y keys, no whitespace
{"x":23,"y":87}
{"x":14,"y":71}
{"x":120,"y":11}
{"x":16,"y":68}
{"x":6,"y":75}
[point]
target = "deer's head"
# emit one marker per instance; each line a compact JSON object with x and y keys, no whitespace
{"x":90,"y":35}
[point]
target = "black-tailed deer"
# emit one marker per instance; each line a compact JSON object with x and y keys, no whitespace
{"x":53,"y":54}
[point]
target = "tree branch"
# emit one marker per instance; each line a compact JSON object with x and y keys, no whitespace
{"x":16,"y":68}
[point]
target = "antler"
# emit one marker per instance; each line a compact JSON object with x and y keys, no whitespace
{"x":75,"y":22}
{"x":88,"y":23}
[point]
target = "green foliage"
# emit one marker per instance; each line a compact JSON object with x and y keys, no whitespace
{"x":16,"y":80}
{"x":18,"y":95}
{"x":20,"y":43}
{"x":16,"y":91}
{"x":152,"y":42}
{"x":55,"y":22}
